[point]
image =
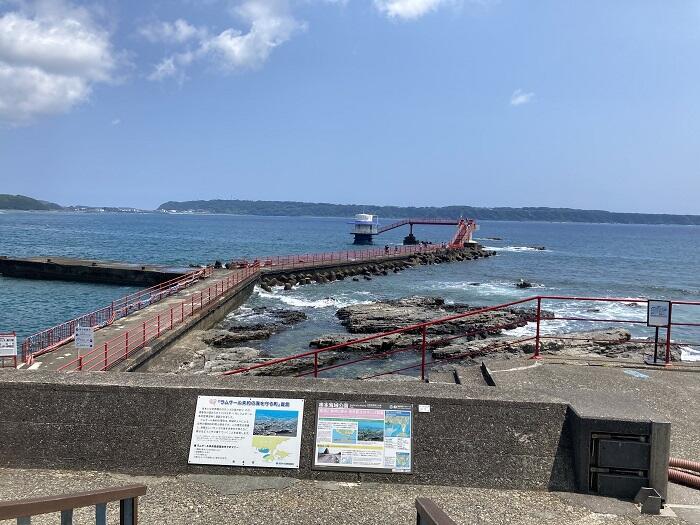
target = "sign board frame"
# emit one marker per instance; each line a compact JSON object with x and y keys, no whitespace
{"x":85,"y":337}
{"x":247,"y":432}
{"x":658,"y":313}
{"x":351,"y":405}
{"x":8,"y":344}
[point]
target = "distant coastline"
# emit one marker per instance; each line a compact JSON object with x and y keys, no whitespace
{"x":310,"y":209}
{"x":529,"y":214}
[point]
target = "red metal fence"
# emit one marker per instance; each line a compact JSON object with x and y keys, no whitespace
{"x":310,"y":361}
{"x":312,"y":259}
{"x":51,"y":338}
{"x":116,"y":350}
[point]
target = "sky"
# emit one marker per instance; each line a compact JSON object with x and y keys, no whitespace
{"x":587,"y":104}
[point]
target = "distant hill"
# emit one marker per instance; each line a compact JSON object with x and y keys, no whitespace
{"x":291,"y":208}
{"x":20,"y":202}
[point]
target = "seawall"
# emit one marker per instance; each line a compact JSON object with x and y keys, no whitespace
{"x":141,"y":424}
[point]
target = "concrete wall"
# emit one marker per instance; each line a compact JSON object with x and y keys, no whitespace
{"x":103,"y":273}
{"x":141,"y":423}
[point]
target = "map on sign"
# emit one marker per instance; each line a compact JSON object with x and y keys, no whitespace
{"x":247,"y":432}
{"x":658,"y":313}
{"x":371,"y":437}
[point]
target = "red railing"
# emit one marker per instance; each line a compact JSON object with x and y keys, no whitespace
{"x":119,"y":348}
{"x":51,"y":338}
{"x":312,"y":259}
{"x":421,"y":331}
{"x":447,"y":222}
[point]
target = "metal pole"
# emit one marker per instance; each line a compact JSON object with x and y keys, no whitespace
{"x":656,"y":344}
{"x":537,"y":333}
{"x":316,"y":364}
{"x":105,"y":368}
{"x":422,"y":360}
{"x":668,"y":334}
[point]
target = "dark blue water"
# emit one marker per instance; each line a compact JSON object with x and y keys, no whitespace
{"x":580,"y":259}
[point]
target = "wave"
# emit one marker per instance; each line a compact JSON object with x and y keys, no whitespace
{"x":488,"y":288}
{"x":515,"y":249}
{"x":296,"y":300}
{"x":689,"y":353}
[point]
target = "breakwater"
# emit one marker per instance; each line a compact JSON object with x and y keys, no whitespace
{"x":382,"y":264}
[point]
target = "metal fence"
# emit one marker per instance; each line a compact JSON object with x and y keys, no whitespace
{"x":312,"y":362}
{"x":51,"y":338}
{"x":106,"y":355}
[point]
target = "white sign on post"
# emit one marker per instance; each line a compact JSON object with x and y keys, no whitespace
{"x":84,"y":337}
{"x":658,"y":313}
{"x":8,"y":345}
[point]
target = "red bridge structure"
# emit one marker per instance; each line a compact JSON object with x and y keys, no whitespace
{"x":366,"y":227}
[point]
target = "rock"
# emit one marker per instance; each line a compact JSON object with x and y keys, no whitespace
{"x":523,"y":284}
{"x":355,"y":279}
{"x":367,"y":278}
{"x":288,"y":286}
{"x":266,"y":287}
{"x":220,"y":338}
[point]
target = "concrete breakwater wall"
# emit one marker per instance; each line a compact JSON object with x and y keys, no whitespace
{"x":478,"y":437}
{"x":356,"y":270}
{"x":87,"y":271}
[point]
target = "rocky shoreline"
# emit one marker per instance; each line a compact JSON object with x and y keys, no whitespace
{"x":462,"y":341}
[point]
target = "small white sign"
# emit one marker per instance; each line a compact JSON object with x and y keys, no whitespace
{"x":8,"y":345}
{"x":658,"y":313}
{"x":423,"y":408}
{"x":84,"y":337}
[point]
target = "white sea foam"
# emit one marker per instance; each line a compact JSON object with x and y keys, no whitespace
{"x":688,"y":353}
{"x":292,"y":299}
{"x":514,"y":249}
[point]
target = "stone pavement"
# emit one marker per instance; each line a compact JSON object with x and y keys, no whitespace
{"x":215,"y":499}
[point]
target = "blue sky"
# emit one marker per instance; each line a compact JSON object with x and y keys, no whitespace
{"x":588,"y":104}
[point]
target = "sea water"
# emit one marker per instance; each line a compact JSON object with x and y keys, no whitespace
{"x":609,"y":260}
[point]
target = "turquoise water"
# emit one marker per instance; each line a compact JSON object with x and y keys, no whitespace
{"x":580,"y":259}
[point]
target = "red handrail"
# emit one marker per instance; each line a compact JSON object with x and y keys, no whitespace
{"x":421,"y":327}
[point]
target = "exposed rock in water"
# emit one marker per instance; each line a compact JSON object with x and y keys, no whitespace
{"x":522,"y":283}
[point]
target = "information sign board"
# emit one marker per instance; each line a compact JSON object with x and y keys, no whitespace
{"x":8,"y":345}
{"x":658,"y":313}
{"x":247,"y":432}
{"x":369,"y":437}
{"x":84,"y":337}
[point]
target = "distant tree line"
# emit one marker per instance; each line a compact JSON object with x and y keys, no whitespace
{"x":291,"y":208}
{"x":20,"y":202}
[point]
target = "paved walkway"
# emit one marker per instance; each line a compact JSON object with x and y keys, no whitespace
{"x":131,"y":323}
{"x":217,"y":499}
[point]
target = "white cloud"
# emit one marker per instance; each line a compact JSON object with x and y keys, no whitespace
{"x":520,"y":97}
{"x":270,"y":22}
{"x":51,"y":54}
{"x":116,"y":121}
{"x":407,"y":9}
{"x":172,"y":32}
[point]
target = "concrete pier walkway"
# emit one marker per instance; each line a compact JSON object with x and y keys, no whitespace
{"x":160,"y":321}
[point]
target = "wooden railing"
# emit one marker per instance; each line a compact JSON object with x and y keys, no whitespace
{"x":428,"y":513}
{"x":127,"y":495}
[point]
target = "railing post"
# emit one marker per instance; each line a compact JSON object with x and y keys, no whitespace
{"x":105,"y":368}
{"x":80,"y":363}
{"x":158,"y":329}
{"x":171,"y":318}
{"x":668,"y":334}
{"x":182,"y":313}
{"x":316,"y":364}
{"x":144,"y":332}
{"x":536,"y":355}
{"x":422,"y":355}
{"x":126,"y":345}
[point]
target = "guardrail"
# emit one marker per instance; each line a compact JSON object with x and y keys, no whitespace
{"x":119,"y":348}
{"x":311,"y":259}
{"x":311,"y":362}
{"x":24,"y":509}
{"x":51,"y":338}
{"x":428,"y":513}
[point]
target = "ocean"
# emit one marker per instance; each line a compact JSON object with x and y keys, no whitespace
{"x":660,"y":262}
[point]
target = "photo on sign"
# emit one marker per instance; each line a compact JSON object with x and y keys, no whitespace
{"x":275,"y":423}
